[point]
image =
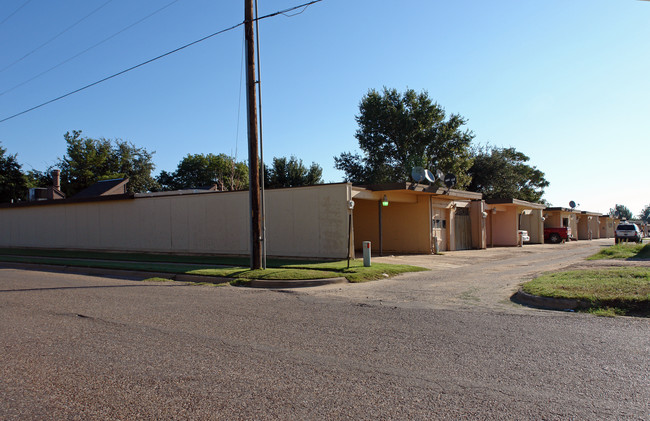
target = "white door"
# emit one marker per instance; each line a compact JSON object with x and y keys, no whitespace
{"x":439,"y":227}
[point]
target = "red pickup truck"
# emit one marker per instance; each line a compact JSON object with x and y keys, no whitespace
{"x":557,"y":235}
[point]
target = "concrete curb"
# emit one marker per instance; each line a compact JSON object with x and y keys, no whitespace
{"x":547,"y":303}
{"x":278,"y":283}
{"x":179,"y":277}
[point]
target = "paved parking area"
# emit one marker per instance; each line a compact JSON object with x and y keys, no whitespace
{"x":467,"y":279}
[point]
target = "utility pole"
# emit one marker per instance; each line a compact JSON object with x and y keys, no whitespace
{"x":253,"y":156}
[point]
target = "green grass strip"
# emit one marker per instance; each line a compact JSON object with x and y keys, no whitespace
{"x":624,"y":290}
{"x":623,"y":251}
{"x":283,"y":269}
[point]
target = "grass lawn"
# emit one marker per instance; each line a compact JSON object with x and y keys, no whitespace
{"x":225,"y":267}
{"x":614,"y":291}
{"x":623,"y":251}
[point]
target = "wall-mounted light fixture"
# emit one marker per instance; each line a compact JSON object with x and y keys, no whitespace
{"x":384,"y":201}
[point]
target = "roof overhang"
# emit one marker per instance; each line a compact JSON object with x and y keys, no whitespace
{"x":515,"y":202}
{"x":412,"y":190}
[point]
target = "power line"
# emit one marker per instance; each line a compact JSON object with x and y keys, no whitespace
{"x":155,"y":59}
{"x":55,"y":37}
{"x":15,"y":11}
{"x":6,"y":91}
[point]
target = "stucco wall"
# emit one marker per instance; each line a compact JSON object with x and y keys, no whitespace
{"x":606,"y":227}
{"x":533,"y":223}
{"x":307,"y":222}
{"x":405,"y":226}
{"x":502,"y":227}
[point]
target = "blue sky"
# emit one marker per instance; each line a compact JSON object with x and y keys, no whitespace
{"x":565,"y":82}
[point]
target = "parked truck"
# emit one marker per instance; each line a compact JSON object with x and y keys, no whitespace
{"x":557,"y":235}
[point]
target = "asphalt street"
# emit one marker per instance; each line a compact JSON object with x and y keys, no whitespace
{"x":82,"y":347}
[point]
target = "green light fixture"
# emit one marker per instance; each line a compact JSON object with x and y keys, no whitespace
{"x":384,"y":201}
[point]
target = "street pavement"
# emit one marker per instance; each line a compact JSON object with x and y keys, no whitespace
{"x":90,"y":348}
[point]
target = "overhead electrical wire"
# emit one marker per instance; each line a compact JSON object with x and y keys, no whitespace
{"x":6,"y":91}
{"x":155,"y":59}
{"x":55,"y":37}
{"x":15,"y":11}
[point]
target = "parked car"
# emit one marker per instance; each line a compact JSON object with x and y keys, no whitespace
{"x":627,"y":231}
{"x":557,"y":235}
{"x":524,"y":236}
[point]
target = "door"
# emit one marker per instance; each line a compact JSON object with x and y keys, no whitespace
{"x":463,"y":229}
{"x":439,"y":228}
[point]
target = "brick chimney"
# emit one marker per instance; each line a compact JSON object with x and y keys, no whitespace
{"x":56,"y":179}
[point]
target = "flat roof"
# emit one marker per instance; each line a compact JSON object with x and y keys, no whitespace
{"x":515,"y":202}
{"x":423,"y":188}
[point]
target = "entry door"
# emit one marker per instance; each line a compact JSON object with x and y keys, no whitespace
{"x":439,"y":227}
{"x":463,"y":229}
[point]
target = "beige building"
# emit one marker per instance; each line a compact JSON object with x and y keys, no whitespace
{"x":588,"y":225}
{"x":506,"y":217}
{"x":562,"y":217}
{"x":417,"y":218}
{"x":607,"y":226}
{"x":301,"y":222}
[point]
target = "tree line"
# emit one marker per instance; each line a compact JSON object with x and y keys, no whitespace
{"x":396,"y":132}
{"x":88,"y":160}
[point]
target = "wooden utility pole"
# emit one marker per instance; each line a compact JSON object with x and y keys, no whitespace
{"x":253,"y":155}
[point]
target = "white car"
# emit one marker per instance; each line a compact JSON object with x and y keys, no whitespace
{"x":523,"y":235}
{"x":626,"y":231}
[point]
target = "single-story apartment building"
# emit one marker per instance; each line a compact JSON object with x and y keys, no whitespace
{"x":507,"y":216}
{"x":588,"y":225}
{"x":558,"y":217}
{"x":417,"y":218}
{"x":320,"y":221}
{"x":607,"y":226}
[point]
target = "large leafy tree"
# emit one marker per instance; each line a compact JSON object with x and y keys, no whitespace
{"x":503,"y":173}
{"x":621,"y":212}
{"x":645,"y":214}
{"x":12,"y":181}
{"x":90,"y":160}
{"x":201,"y":170}
{"x":400,"y":131}
{"x":292,"y":173}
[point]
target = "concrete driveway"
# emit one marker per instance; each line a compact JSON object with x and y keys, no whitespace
{"x":468,"y":279}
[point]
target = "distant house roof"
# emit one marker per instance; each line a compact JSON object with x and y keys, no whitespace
{"x":104,"y":188}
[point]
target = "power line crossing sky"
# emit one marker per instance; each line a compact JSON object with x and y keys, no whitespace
{"x":563,"y":82}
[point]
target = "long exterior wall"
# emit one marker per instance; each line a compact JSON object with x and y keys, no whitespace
{"x":304,"y":222}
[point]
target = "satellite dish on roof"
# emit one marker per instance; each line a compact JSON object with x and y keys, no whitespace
{"x":428,"y":176}
{"x":418,"y":174}
{"x":572,"y":204}
{"x":450,"y":180}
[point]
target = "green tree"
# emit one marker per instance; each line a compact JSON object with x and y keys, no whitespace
{"x":12,"y":181}
{"x":201,"y":170}
{"x":621,"y":212}
{"x":645,"y":214}
{"x":502,"y":173}
{"x":400,"y":131}
{"x":90,"y":160}
{"x":36,"y":178}
{"x":292,"y":173}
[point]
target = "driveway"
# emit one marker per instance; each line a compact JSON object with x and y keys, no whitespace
{"x":468,"y":279}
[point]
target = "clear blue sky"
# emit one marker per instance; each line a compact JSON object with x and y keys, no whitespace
{"x":565,"y":82}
